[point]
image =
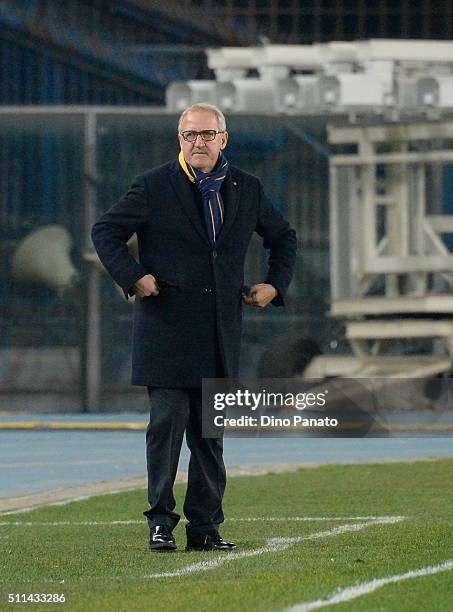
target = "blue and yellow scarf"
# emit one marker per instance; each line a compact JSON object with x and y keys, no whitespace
{"x":209,"y":184}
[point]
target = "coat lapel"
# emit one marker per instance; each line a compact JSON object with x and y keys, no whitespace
{"x":187,"y":200}
{"x":230,"y":195}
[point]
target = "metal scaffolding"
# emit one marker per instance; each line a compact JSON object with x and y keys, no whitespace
{"x":391,"y":272}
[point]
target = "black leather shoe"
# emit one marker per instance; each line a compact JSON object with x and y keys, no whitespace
{"x":161,"y":539}
{"x":209,"y":541}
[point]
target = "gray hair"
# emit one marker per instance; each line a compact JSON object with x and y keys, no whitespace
{"x":202,"y":106}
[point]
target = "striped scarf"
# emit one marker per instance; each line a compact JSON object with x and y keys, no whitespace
{"x":209,"y":184}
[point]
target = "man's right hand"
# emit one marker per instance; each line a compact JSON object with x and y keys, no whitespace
{"x":146,"y":286}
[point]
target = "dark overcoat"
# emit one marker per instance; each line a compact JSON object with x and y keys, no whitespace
{"x":179,"y":334}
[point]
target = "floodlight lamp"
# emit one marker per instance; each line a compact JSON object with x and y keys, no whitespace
{"x":330,"y":96}
{"x":290,"y":99}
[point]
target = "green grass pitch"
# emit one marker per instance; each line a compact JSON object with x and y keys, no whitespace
{"x":95,"y":551}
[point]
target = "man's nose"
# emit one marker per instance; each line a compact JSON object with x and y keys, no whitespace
{"x":196,"y":141}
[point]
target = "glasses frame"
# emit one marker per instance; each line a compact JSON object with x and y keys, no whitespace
{"x":201,"y":134}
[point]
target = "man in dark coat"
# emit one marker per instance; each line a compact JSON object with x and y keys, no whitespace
{"x":194,"y":218}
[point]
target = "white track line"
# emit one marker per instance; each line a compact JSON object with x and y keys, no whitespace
{"x":229,"y":520}
{"x":273,"y":545}
{"x":369,"y":587}
{"x":63,"y":502}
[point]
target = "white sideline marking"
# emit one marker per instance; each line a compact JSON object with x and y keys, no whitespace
{"x":66,"y":523}
{"x":27,"y":580}
{"x":229,"y":520}
{"x":369,"y":587}
{"x":314,"y":518}
{"x":273,"y":545}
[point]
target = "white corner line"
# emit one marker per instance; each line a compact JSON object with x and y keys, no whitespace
{"x":273,"y":545}
{"x":365,"y":588}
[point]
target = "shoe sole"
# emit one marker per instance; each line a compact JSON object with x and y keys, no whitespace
{"x":201,"y":549}
{"x":163,"y":547}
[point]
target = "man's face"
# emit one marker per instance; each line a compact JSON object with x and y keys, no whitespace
{"x":200,"y":154}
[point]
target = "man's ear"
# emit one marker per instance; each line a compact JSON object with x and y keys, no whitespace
{"x":224,"y":141}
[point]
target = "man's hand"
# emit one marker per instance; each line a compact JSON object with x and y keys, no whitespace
{"x":260,"y":295}
{"x":145,"y":286}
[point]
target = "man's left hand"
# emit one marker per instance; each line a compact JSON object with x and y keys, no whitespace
{"x":260,"y":295}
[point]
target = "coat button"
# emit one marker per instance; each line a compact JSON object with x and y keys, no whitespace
{"x":214,"y":254}
{"x":208,"y":289}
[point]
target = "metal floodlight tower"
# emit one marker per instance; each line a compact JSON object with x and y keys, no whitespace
{"x":338,"y":77}
{"x":181,"y":94}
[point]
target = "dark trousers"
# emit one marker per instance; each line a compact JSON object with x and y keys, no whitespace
{"x":173,"y":411}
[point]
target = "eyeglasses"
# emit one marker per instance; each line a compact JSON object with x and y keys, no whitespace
{"x":207,"y":135}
